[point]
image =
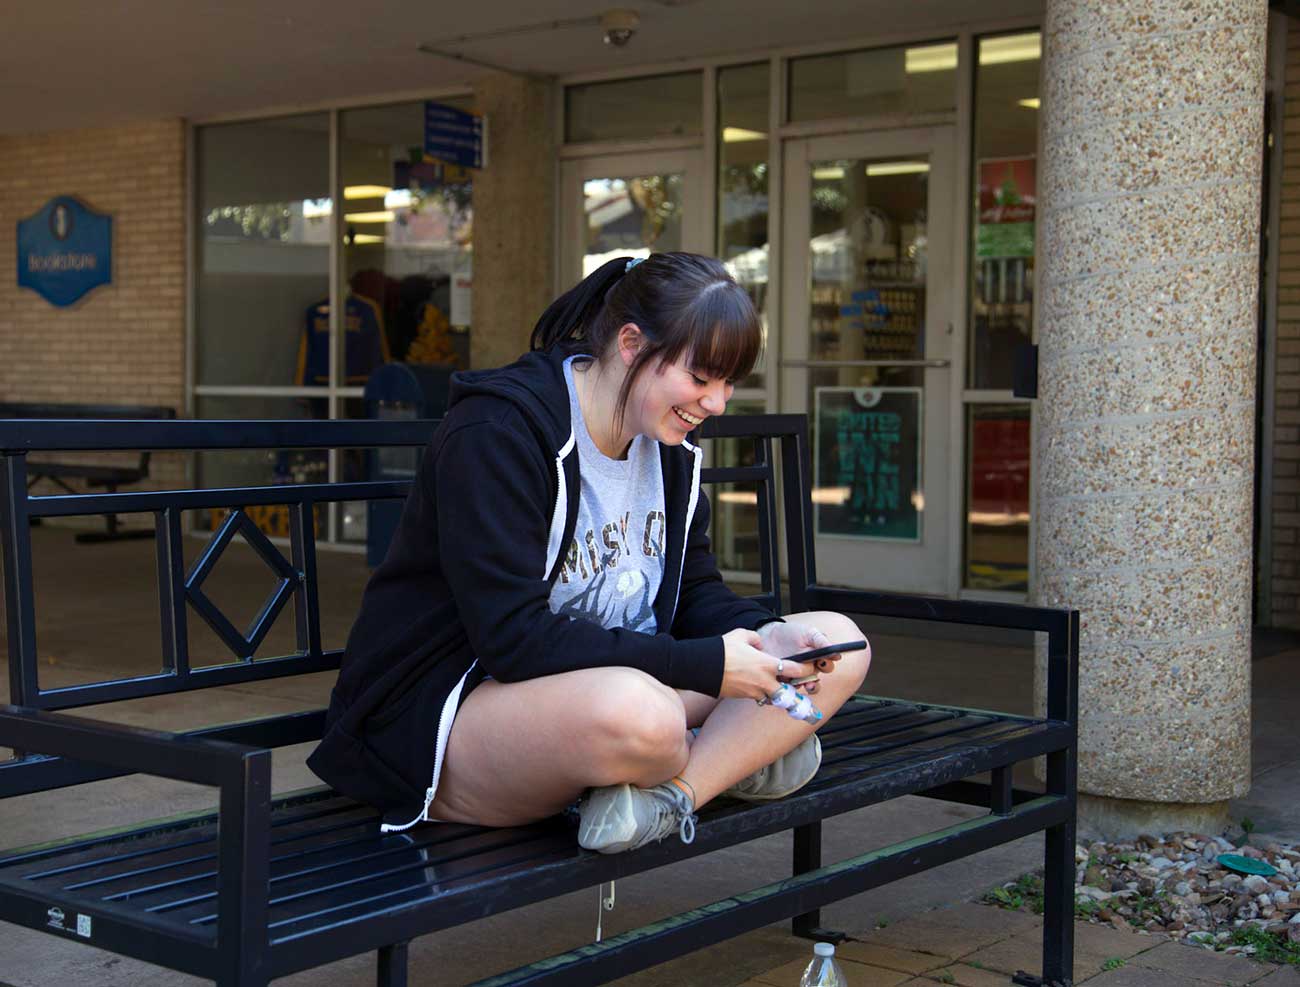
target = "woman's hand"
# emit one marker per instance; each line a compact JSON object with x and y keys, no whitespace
{"x":782,"y":638}
{"x":750,"y":672}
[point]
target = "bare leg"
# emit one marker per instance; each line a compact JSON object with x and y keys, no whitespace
{"x":739,"y":736}
{"x":522,"y":751}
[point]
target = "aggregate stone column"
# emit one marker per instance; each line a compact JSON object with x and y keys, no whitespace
{"x":514,"y":217}
{"x":1148,"y":272}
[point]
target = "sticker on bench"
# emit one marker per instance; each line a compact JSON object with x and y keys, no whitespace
{"x":55,"y":918}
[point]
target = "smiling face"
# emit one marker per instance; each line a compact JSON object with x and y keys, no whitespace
{"x":668,"y":401}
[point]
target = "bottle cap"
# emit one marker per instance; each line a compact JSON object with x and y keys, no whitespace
{"x":824,"y":949}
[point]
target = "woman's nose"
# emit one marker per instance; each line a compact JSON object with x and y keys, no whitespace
{"x":714,"y":400}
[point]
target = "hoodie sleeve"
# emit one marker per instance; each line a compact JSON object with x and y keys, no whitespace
{"x":494,"y":496}
{"x":707,"y":605}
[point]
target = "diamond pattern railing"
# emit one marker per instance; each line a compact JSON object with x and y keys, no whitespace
{"x":242,"y":646}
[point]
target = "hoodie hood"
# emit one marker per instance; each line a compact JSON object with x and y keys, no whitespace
{"x":534,"y":383}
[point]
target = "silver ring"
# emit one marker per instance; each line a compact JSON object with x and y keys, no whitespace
{"x":780,"y":666}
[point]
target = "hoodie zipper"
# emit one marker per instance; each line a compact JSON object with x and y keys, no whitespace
{"x":698,"y":454}
{"x":444,"y":733}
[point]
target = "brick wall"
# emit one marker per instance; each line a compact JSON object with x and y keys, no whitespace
{"x":123,"y":342}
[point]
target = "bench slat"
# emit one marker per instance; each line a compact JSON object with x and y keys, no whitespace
{"x":330,"y":864}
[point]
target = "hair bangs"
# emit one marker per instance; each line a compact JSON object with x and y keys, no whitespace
{"x":721,"y":336}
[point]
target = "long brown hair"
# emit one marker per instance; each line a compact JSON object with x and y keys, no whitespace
{"x":682,"y":303}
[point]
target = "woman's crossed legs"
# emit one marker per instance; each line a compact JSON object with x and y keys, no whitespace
{"x":522,"y":751}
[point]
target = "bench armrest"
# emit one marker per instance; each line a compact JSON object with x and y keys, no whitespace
{"x":243,"y":776}
{"x":154,"y":752}
{"x":1060,"y":626}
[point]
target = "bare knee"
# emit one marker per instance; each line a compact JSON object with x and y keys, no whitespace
{"x":852,"y":666}
{"x":638,"y":729}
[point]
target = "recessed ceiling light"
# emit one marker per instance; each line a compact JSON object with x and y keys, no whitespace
{"x":365,"y":191}
{"x":1029,"y":104}
{"x":897,"y":168}
{"x":381,"y":216}
{"x":1011,"y":48}
{"x":734,"y":135}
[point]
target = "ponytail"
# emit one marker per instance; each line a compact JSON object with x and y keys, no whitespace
{"x":567,"y":318}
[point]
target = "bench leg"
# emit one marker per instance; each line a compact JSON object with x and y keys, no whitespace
{"x":807,"y":857}
{"x":392,"y":965}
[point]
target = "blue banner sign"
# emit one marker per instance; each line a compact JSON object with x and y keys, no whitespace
{"x":454,"y":136}
{"x":65,"y":250}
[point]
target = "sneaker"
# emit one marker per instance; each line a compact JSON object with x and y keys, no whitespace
{"x":623,"y":817}
{"x":784,"y":776}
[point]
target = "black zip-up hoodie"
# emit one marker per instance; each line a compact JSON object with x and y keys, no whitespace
{"x":464,"y":590}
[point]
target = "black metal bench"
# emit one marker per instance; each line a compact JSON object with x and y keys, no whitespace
{"x":267,"y":886}
{"x":105,"y":475}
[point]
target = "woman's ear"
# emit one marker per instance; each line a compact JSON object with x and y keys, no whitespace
{"x":630,"y":342}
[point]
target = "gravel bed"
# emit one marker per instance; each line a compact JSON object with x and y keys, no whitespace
{"x":1178,"y":886}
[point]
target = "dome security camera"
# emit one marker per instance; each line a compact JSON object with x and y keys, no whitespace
{"x":619,"y":26}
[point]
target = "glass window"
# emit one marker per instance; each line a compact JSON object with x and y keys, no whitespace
{"x":1006,"y":137}
{"x":631,"y":215}
{"x":263,"y":246}
{"x":1001,"y":286}
{"x":868,"y":271}
{"x":907,"y":79}
{"x":632,"y":109}
{"x":407,"y":230}
{"x":742,"y":239}
{"x":997,"y":497}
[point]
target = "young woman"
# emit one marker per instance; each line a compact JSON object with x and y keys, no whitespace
{"x":549,"y":620}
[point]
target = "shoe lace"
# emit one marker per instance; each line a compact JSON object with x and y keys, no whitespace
{"x":681,"y":811}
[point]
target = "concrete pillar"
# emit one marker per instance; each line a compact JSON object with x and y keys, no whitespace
{"x":514,"y":217}
{"x":1148,"y":275}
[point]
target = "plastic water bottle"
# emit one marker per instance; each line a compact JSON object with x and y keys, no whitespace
{"x":823,"y":971}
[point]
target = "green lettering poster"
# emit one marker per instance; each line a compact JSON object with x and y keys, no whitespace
{"x":866,"y":462}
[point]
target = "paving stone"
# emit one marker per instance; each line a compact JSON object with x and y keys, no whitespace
{"x":1093,"y":946}
{"x":1197,"y":963}
{"x":1138,"y":976}
{"x":953,"y":932}
{"x":874,"y":954}
{"x":1287,"y":976}
{"x":961,"y":975}
{"x":859,"y":975}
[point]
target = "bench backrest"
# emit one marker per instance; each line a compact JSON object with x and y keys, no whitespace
{"x":62,"y":410}
{"x":773,"y":441}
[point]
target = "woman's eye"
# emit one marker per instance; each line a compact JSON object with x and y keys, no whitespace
{"x":699,"y":382}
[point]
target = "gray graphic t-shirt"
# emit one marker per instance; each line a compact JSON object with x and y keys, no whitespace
{"x":614,"y":565}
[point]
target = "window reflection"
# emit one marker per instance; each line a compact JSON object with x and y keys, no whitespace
{"x":742,"y":236}
{"x":407,"y":239}
{"x":263,"y":245}
{"x":997,"y":497}
{"x":631,"y":217}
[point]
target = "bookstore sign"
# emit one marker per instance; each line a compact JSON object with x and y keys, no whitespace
{"x":65,"y":249}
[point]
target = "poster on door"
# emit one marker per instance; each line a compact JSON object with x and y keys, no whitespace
{"x":867,"y":462}
{"x":1007,"y":208}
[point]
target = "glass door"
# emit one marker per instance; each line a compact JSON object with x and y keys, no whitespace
{"x":629,"y":205}
{"x":866,"y":335}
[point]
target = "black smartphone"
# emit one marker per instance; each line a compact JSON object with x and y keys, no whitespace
{"x":830,"y":649}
